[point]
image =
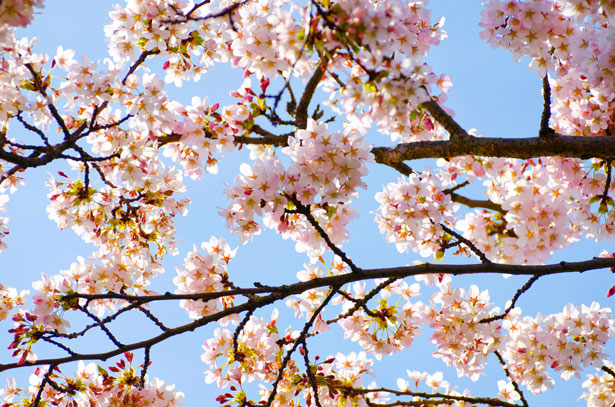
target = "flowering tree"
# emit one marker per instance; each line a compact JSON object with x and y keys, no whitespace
{"x":127,"y":145}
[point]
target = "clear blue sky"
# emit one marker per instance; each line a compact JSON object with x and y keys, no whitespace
{"x":490,"y":93}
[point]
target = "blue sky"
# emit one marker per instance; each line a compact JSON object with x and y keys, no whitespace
{"x":491,"y":93}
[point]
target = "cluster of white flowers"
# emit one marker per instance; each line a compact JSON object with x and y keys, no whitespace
{"x":411,"y":211}
{"x":463,"y":341}
{"x":600,"y":389}
{"x":205,"y":273}
{"x":94,"y":385}
{"x":388,"y":327}
{"x":566,"y":342}
{"x":256,"y":358}
{"x":325,"y":171}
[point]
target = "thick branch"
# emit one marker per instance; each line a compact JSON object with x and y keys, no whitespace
{"x":556,"y":145}
{"x":301,"y":114}
{"x":455,"y":131}
{"x":285,"y":291}
{"x":428,"y":397}
{"x":367,"y":274}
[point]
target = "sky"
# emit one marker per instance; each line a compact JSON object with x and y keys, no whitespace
{"x":490,"y":92}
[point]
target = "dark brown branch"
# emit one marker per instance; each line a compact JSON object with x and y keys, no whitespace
{"x":33,"y":129}
{"x":513,"y":302}
{"x":238,"y":330}
{"x":608,"y":370}
{"x":607,"y":183}
{"x":556,"y":145}
{"x":300,"y":339}
{"x":545,"y":130}
{"x":103,"y":327}
{"x":272,"y":140}
{"x":46,"y":380}
{"x":38,"y":85}
{"x":466,"y":242}
{"x":301,"y":113}
{"x":153,"y":318}
{"x":146,"y":362}
{"x":362,"y":302}
{"x":456,"y":132}
{"x":368,"y":274}
{"x":284,"y":291}
{"x":305,"y":210}
{"x":310,"y":374}
{"x":429,"y":396}
{"x":513,"y":381}
{"x":475,"y":203}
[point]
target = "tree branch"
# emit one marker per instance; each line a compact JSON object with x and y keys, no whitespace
{"x":556,"y":145}
{"x":429,"y":396}
{"x":301,"y":113}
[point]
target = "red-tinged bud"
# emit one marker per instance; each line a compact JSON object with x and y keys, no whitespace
{"x":428,"y":124}
{"x":128,"y":356}
{"x":53,"y":63}
{"x":522,"y":350}
{"x":214,"y":108}
{"x":264,"y":84}
{"x":610,"y":292}
{"x":233,"y":388}
{"x":22,"y":359}
{"x":166,"y":65}
{"x":62,"y":174}
{"x":554,"y":364}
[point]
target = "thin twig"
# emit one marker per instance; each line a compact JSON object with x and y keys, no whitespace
{"x":305,"y":210}
{"x":310,"y":374}
{"x":146,"y":363}
{"x":467,"y":242}
{"x":299,"y":339}
{"x":513,"y":381}
{"x":513,"y":302}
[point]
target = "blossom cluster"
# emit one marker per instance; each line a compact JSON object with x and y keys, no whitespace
{"x":462,"y":338}
{"x":205,"y":273}
{"x":545,"y":205}
{"x":94,"y":384}
{"x":18,"y":13}
{"x":572,"y":39}
{"x":254,"y":355}
{"x":566,"y":342}
{"x":130,"y":218}
{"x":192,"y":40}
{"x":387,"y":79}
{"x":534,"y":221}
{"x":411,"y":212}
{"x":10,"y":299}
{"x":387,"y":327}
{"x":600,"y":389}
{"x":325,"y":171}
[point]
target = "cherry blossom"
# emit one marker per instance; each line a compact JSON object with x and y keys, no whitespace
{"x":330,"y":90}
